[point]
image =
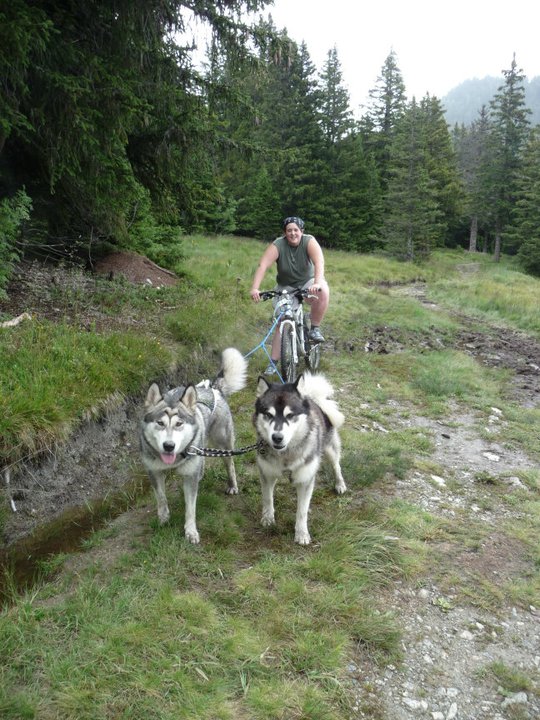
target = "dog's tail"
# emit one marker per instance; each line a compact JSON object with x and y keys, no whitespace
{"x":318,"y":389}
{"x":233,"y":373}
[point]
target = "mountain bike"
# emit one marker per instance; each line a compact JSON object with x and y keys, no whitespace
{"x":294,"y":330}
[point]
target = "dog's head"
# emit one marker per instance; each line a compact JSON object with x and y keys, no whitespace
{"x":169,"y":421}
{"x":280,"y":412}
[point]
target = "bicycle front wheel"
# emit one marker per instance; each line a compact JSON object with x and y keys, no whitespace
{"x":312,"y":350}
{"x":313,"y":356}
{"x":288,"y":366}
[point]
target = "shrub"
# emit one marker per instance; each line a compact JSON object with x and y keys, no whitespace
{"x":13,"y":212}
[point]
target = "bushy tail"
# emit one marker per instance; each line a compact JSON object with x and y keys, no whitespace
{"x":318,"y":389}
{"x":233,"y":373}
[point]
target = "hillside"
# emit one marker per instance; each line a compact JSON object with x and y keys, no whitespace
{"x":463,"y":102}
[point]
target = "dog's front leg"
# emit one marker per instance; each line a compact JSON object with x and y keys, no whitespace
{"x":232,"y":487}
{"x":158,"y":485}
{"x":267,"y":491}
{"x":333,"y":453}
{"x":304,"y":491}
{"x":191,"y":486}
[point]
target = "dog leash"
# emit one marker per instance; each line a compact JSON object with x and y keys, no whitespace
{"x":219,"y":452}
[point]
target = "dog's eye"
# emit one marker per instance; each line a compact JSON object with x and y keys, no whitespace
{"x":160,"y":423}
{"x":290,"y":417}
{"x":268,"y":416}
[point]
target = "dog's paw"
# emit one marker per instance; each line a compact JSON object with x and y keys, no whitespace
{"x":267,"y":519}
{"x":163,"y":515}
{"x":192,"y":536}
{"x":302,"y":537}
{"x":232,"y":490}
{"x":340,"y":487}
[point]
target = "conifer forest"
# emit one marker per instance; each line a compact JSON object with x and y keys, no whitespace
{"x":114,"y":134}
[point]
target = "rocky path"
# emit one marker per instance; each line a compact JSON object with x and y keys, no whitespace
{"x":450,"y":645}
{"x":468,"y":652}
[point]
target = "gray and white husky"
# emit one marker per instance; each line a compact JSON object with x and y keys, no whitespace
{"x":297,"y":425}
{"x":176,"y":420}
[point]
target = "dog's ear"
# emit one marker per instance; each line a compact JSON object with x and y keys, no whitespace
{"x":300,"y":384}
{"x":153,"y":396}
{"x":262,"y":386}
{"x":189,"y":398}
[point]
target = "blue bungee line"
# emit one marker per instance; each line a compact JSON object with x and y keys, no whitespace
{"x":262,"y":345}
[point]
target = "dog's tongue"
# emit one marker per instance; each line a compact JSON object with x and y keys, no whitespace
{"x":168,"y":458}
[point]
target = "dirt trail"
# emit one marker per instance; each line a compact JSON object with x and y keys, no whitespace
{"x":450,"y":645}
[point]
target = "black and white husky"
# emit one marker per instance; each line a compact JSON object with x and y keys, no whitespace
{"x":297,"y":425}
{"x":176,"y":420}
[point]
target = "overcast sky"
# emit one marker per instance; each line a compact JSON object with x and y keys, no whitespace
{"x":438,"y":45}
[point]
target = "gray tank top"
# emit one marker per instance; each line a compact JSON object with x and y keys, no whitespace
{"x":294,"y":266}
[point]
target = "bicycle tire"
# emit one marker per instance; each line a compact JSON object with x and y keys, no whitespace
{"x":312,"y":351}
{"x":313,"y":355}
{"x":288,"y":366}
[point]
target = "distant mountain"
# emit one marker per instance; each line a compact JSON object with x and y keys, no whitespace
{"x":463,"y":103}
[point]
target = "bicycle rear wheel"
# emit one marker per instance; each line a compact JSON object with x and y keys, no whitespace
{"x":288,"y":366}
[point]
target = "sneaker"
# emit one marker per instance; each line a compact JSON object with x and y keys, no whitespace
{"x":270,"y":370}
{"x":315,"y":335}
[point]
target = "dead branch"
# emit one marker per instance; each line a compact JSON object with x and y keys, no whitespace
{"x":16,"y":321}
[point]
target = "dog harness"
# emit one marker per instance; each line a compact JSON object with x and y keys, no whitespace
{"x":206,"y":397}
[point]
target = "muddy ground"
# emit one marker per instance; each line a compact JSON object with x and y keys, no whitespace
{"x":447,"y":644}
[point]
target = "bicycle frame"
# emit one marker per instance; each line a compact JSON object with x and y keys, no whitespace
{"x":294,"y":341}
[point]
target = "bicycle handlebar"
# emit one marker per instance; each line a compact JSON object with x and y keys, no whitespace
{"x":300,"y":294}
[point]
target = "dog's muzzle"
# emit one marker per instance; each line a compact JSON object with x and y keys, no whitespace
{"x":277,"y":441}
{"x":168,"y":456}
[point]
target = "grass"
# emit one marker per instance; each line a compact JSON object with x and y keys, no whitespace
{"x":511,"y":680}
{"x":495,"y":292}
{"x":53,"y":376}
{"x":181,"y":635}
{"x":248,"y":625}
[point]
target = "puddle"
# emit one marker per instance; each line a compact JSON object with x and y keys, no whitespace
{"x":31,"y":559}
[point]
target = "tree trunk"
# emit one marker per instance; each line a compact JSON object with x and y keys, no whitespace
{"x":473,"y":234}
{"x":497,"y":249}
{"x":410,"y":247}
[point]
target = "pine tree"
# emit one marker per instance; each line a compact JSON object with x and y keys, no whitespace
{"x":510,"y":129}
{"x":413,"y":223}
{"x":104,"y":117}
{"x":525,"y":228}
{"x":357,"y":207}
{"x":473,"y":148}
{"x":301,"y":147}
{"x":388,"y":103}
{"x":335,"y":113}
{"x":441,"y":163}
